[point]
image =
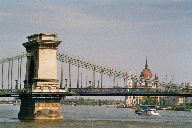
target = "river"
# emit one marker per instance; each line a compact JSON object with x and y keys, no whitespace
{"x":97,"y":117}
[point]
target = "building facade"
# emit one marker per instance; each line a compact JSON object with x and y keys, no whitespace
{"x":146,"y":80}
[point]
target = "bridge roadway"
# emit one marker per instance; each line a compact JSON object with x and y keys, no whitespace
{"x":99,"y":92}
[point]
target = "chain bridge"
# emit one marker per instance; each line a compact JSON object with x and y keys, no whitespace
{"x":41,"y":92}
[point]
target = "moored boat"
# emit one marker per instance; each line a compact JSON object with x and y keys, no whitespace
{"x":146,"y":110}
{"x":121,"y":106}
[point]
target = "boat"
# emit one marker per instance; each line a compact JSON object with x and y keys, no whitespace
{"x":121,"y":106}
{"x":74,"y":104}
{"x":152,"y":112}
{"x":147,"y":110}
{"x":110,"y":105}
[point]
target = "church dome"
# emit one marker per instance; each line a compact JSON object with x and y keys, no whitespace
{"x":146,"y":73}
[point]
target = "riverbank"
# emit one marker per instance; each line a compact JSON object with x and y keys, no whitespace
{"x":177,"y":108}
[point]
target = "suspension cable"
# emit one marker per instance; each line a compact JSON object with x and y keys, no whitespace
{"x":69,"y":73}
{"x":15,"y":58}
{"x":101,"y":78}
{"x":78,"y":77}
{"x":93,"y":83}
{"x":17,"y":76}
{"x":12,"y":74}
{"x":8,"y":73}
{"x":81,"y":80}
{"x":20,"y":71}
{"x":61,"y":82}
{"x":97,"y":68}
{"x":2,"y":75}
{"x":10,"y":68}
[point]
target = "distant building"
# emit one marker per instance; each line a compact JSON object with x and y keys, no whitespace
{"x":130,"y":100}
{"x":188,"y":100}
{"x":179,"y":100}
{"x":146,"y":81}
{"x":173,"y":101}
{"x":190,"y":85}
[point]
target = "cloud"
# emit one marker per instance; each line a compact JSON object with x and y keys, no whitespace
{"x":100,"y":15}
{"x":5,"y":15}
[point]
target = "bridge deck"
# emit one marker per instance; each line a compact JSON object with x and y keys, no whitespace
{"x":100,"y":92}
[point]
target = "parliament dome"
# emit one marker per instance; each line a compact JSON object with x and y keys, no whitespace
{"x":146,"y":73}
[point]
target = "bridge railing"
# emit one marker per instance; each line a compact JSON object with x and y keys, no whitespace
{"x":12,"y":90}
{"x":130,"y":90}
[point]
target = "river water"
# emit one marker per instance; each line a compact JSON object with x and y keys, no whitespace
{"x":98,"y":117}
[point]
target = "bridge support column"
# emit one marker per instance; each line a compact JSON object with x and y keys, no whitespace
{"x":39,"y":108}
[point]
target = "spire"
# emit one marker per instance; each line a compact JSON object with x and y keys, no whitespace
{"x":146,"y":66}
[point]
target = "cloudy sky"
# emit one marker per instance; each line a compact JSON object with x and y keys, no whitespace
{"x":113,"y":33}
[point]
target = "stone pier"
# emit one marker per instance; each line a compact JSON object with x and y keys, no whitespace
{"x":41,"y":76}
{"x":39,"y":108}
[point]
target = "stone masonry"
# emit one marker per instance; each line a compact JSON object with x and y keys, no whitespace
{"x":41,"y":76}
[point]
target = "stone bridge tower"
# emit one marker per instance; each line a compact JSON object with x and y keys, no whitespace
{"x":41,"y":76}
{"x":41,"y":68}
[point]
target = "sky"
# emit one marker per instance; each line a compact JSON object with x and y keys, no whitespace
{"x":119,"y":34}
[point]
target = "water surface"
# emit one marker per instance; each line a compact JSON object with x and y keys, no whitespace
{"x":97,"y":117}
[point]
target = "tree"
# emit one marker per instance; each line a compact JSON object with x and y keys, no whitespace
{"x":147,"y":100}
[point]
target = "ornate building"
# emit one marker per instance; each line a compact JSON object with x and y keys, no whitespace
{"x":146,"y":80}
